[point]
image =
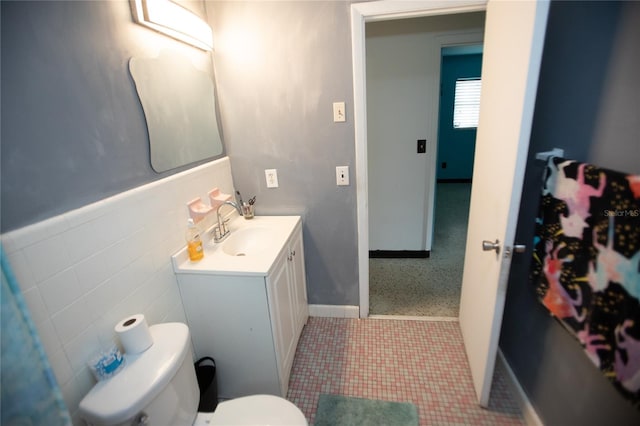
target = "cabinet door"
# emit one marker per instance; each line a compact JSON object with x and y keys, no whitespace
{"x":229,"y":320}
{"x":282,"y":318}
{"x":298,"y":281}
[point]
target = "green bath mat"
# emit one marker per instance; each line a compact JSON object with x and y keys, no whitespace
{"x":337,"y":410}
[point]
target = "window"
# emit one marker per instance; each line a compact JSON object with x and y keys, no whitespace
{"x":466,"y":104}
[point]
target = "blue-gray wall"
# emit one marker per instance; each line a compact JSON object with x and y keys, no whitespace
{"x":280,"y":66}
{"x":73,"y":130}
{"x":587,"y":104}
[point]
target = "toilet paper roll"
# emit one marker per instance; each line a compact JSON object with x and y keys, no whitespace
{"x":134,"y":334}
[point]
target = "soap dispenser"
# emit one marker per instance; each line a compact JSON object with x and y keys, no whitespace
{"x":194,"y":242}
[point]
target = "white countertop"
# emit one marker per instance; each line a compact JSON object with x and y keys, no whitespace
{"x":217,"y":262}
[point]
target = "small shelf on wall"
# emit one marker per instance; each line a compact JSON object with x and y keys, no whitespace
{"x":217,"y":198}
{"x":198,"y":210}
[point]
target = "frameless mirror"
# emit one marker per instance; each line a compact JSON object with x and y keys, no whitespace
{"x":179,"y":105}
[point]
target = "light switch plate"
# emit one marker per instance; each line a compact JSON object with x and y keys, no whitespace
{"x":339,"y":113}
{"x":342,"y":175}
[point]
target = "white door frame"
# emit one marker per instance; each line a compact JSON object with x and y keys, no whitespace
{"x":360,"y":14}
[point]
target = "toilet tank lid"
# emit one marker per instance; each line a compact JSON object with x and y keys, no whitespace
{"x":143,"y":377}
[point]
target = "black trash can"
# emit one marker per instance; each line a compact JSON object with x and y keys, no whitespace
{"x":206,"y":374}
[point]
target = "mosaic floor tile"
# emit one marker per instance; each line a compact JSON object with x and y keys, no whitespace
{"x":422,"y":362}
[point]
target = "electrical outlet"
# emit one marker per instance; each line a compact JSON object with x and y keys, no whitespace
{"x":342,"y":175}
{"x":272,"y":178}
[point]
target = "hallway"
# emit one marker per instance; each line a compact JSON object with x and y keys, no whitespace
{"x":427,"y":287}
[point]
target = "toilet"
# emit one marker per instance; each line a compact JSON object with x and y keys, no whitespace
{"x":159,"y":387}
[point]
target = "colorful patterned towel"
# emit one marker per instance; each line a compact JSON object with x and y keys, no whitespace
{"x":586,"y":264}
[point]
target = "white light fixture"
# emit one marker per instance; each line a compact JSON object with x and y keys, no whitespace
{"x":173,"y":20}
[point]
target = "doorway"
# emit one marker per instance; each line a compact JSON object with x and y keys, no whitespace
{"x":514,"y":42}
{"x":460,"y":85}
{"x":403,"y":84}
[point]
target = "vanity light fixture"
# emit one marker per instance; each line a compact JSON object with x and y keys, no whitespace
{"x":173,"y":20}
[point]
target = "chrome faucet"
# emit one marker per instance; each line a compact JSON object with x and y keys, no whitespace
{"x":220,"y":231}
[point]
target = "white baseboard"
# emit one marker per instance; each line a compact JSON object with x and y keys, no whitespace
{"x":334,"y":311}
{"x":349,"y":311}
{"x":529,"y":414}
{"x":414,"y":318}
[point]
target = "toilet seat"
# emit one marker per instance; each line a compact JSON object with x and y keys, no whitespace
{"x":253,"y":410}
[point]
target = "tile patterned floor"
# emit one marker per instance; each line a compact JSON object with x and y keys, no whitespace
{"x":422,"y":362}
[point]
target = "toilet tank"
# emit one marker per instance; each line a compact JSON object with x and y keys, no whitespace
{"x":158,"y":386}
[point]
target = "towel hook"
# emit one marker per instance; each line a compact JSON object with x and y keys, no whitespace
{"x":555,"y":152}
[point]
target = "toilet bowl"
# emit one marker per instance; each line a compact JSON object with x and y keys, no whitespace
{"x":159,"y":387}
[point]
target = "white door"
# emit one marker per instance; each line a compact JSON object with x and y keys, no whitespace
{"x":514,"y":36}
{"x":513,"y":41}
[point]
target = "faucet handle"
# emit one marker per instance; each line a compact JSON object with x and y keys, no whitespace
{"x":217,"y":233}
{"x":220,"y":232}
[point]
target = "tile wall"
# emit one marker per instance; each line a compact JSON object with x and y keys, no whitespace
{"x":85,"y":270}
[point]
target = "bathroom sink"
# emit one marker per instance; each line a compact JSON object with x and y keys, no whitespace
{"x":248,"y":241}
{"x":251,"y":249}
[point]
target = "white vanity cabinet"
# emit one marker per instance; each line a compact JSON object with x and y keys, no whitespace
{"x":288,"y":308}
{"x":249,"y":322}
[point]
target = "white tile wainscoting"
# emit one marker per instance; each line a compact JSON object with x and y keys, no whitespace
{"x":85,"y":270}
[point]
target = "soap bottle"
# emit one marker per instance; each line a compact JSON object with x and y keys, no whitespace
{"x":194,"y":242}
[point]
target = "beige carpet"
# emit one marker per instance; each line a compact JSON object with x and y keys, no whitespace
{"x":426,"y":287}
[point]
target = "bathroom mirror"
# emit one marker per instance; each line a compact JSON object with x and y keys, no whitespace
{"x":179,"y":106}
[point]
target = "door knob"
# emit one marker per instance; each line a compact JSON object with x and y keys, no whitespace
{"x":488,"y":246}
